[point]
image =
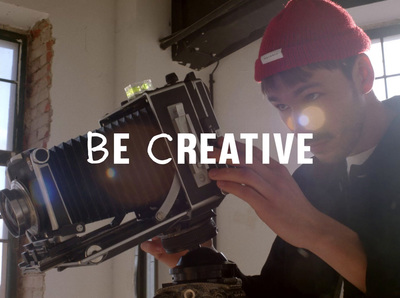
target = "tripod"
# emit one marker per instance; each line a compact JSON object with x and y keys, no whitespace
{"x":203,"y":273}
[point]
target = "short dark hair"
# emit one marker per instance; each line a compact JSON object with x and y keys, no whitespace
{"x":301,"y":74}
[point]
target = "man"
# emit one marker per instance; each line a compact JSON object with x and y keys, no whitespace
{"x":339,"y":218}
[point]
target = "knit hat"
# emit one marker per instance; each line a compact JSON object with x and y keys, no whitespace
{"x":306,"y":32}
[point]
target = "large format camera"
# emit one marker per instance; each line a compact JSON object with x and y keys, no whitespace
{"x":54,"y":194}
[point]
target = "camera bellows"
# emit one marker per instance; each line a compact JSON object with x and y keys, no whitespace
{"x":92,"y":192}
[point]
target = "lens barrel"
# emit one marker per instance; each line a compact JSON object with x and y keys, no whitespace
{"x":17,"y":210}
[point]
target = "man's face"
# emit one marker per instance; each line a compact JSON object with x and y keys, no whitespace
{"x":327,"y":105}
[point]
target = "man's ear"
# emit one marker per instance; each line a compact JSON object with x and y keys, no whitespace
{"x":363,"y":74}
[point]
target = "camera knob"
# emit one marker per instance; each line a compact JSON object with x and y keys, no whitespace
{"x":171,"y":78}
{"x":91,"y":250}
{"x":40,"y":155}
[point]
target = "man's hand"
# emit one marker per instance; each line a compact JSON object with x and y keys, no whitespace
{"x":279,"y":202}
{"x":155,"y":248}
{"x":272,"y":192}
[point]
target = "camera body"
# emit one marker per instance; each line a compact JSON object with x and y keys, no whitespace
{"x":54,"y":194}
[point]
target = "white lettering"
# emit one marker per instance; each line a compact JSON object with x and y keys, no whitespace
{"x":90,"y":136}
{"x":186,"y":147}
{"x":283,"y":155}
{"x":302,"y":148}
{"x":249,"y":137}
{"x":205,"y":148}
{"x":229,"y":150}
{"x":118,"y":148}
{"x":265,"y":148}
{"x":187,"y":143}
{"x":150,"y":147}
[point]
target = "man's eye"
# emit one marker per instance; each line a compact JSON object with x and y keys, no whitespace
{"x":281,"y":107}
{"x":313,"y":96}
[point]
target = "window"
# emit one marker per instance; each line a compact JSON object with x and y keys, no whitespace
{"x":12,"y":64}
{"x":385,"y":58}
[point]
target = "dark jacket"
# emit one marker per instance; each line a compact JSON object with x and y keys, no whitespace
{"x":367,"y":200}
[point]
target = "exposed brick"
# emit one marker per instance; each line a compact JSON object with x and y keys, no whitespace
{"x":43,"y":24}
{"x":39,"y":144}
{"x":40,"y":121}
{"x":49,"y":79}
{"x":37,"y":121}
{"x":37,"y":294}
{"x":47,"y":107}
{"x":45,"y":35}
{"x":33,"y":140}
{"x":39,"y":85}
{"x":49,"y":44}
{"x":49,"y":56}
{"x":35,"y":53}
{"x":36,"y":43}
{"x":38,"y":97}
{"x":43,"y":107}
{"x":27,"y":117}
{"x":43,"y":60}
{"x":39,"y":74}
{"x":43,"y":132}
{"x":44,"y":143}
{"x":35,"y":33}
{"x":34,"y":65}
{"x":33,"y":280}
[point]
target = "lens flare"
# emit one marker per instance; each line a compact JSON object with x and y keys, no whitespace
{"x":290,"y":123}
{"x":111,"y":173}
{"x":303,"y":120}
{"x":312,"y":118}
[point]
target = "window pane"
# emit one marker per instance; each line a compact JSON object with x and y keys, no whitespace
{"x":2,"y":186}
{"x":2,"y":177}
{"x":1,"y":256}
{"x":7,"y":100}
{"x":3,"y":235}
{"x":379,"y":89}
{"x":8,"y":58}
{"x":10,"y":54}
{"x":391,"y":46}
{"x":375,"y":55}
{"x":393,"y":85}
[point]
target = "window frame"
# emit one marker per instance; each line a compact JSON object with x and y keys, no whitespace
{"x":22,"y":40}
{"x":380,"y":33}
{"x":10,"y":250}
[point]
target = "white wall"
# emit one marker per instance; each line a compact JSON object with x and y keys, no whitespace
{"x":101,"y":46}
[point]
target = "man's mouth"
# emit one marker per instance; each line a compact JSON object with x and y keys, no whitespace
{"x":318,"y":145}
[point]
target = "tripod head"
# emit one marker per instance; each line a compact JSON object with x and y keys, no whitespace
{"x":203,"y":272}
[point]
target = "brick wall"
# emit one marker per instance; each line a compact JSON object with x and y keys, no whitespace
{"x":37,"y":120}
{"x":38,"y":109}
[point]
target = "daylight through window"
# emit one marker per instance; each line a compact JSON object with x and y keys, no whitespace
{"x":384,"y":55}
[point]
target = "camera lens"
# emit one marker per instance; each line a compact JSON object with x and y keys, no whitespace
{"x":17,"y":210}
{"x":10,"y":213}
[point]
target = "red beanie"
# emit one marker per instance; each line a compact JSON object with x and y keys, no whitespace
{"x":306,"y":32}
